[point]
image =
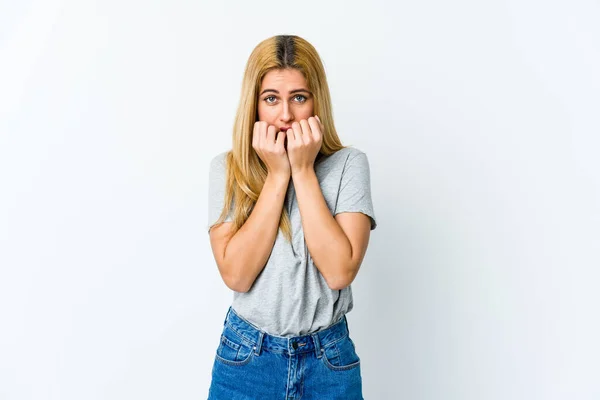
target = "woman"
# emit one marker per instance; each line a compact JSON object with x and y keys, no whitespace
{"x":290,"y":217}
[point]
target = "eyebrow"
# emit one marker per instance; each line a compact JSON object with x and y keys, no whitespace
{"x":291,"y":92}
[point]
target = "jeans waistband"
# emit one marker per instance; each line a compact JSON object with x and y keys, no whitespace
{"x":259,"y":339}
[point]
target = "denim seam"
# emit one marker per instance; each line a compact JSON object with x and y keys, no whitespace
{"x":230,"y":343}
{"x":251,"y":343}
{"x":339,"y":368}
{"x":302,"y":374}
{"x":335,"y":341}
{"x":259,"y":344}
{"x":242,"y":337}
{"x":287,"y":388}
{"x":229,"y":362}
{"x":235,"y":363}
{"x":337,"y":352}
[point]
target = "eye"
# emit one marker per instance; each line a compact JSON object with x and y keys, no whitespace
{"x":303,"y":98}
{"x":299,"y":98}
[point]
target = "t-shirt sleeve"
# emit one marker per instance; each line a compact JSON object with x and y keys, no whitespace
{"x":216,"y":190}
{"x":355,"y":188}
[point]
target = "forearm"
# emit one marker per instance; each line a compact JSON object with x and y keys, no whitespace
{"x":249,"y":249}
{"x":327,"y":243}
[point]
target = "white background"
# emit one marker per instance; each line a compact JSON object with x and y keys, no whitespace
{"x":481,"y":124}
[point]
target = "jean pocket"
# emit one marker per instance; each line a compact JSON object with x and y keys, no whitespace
{"x":233,"y":350}
{"x":341,"y":355}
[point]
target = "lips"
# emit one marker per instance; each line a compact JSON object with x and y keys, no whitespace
{"x":285,"y":128}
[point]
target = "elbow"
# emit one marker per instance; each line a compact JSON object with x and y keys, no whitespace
{"x":237,"y":286}
{"x":236,"y":283}
{"x":338,"y":285}
{"x":234,"y":280}
{"x":341,"y":280}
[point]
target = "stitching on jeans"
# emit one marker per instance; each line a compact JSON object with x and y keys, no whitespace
{"x":251,"y":343}
{"x":339,"y":368}
{"x":235,"y":363}
{"x":337,"y":352}
{"x":336,"y":340}
{"x":242,"y":337}
{"x":248,"y":340}
{"x":336,"y":367}
{"x":302,"y":374}
{"x":230,"y":343}
{"x":287,"y":387}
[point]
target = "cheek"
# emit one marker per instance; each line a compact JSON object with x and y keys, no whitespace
{"x":307,"y":110}
{"x":265,"y":113}
{"x":306,"y":113}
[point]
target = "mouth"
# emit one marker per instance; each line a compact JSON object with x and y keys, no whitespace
{"x":285,"y":128}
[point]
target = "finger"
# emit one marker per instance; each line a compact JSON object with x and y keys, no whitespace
{"x":280,"y":139}
{"x":315,"y":128}
{"x":307,"y":134}
{"x":297,"y":131}
{"x":290,"y":137}
{"x":320,"y":123}
{"x":271,"y":134}
{"x":263,"y":133}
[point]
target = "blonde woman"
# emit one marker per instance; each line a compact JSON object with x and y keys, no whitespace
{"x":290,"y":215}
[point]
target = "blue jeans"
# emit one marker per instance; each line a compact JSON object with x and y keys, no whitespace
{"x":253,"y":365}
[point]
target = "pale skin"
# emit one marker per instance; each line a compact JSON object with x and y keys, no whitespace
{"x":337,"y":244}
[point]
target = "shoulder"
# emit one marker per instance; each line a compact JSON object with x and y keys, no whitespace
{"x":219,"y":158}
{"x":217,"y":163}
{"x":217,"y":170}
{"x":348,"y":153}
{"x":353,"y":153}
{"x":346,"y":156}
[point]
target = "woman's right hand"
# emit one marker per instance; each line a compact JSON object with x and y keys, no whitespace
{"x":269,"y":146}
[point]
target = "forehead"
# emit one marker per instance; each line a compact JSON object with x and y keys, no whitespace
{"x":284,"y":79}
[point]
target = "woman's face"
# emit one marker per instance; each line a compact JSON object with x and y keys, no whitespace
{"x":284,"y":98}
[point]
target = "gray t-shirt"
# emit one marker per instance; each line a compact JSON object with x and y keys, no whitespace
{"x":290,"y":297}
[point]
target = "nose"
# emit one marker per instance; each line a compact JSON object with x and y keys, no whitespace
{"x":286,"y":112}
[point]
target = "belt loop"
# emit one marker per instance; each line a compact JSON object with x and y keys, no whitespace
{"x":227,"y":315}
{"x":317,"y":343}
{"x":258,"y":346}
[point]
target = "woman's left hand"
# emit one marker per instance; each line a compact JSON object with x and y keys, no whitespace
{"x":304,"y":141}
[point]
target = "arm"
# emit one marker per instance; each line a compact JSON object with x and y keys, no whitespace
{"x":337,"y":245}
{"x":241,"y":257}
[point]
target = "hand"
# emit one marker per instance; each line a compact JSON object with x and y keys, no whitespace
{"x":304,"y":141}
{"x":270,"y":148}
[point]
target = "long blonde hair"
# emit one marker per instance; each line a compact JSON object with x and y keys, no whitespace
{"x":246,"y":172}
